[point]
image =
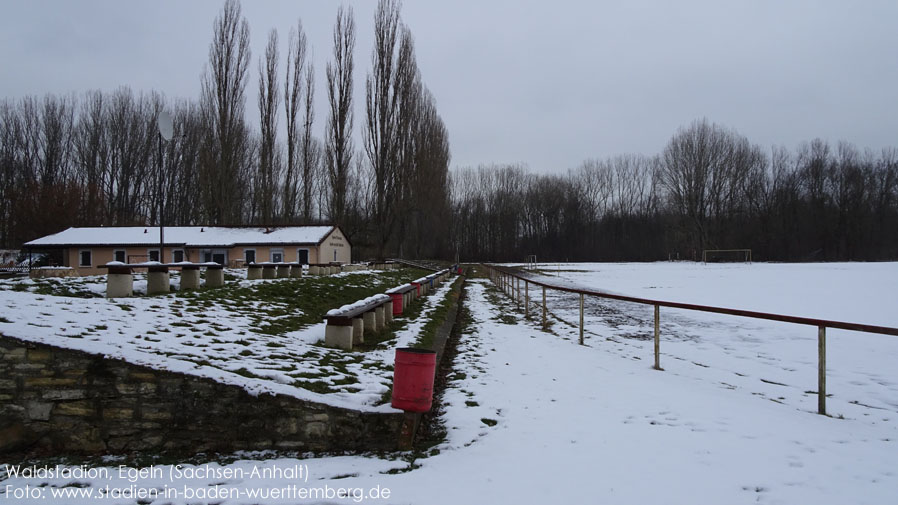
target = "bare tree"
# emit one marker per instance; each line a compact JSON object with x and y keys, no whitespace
{"x":293,"y":101}
{"x":310,"y":151}
{"x":227,"y":149}
{"x":90,"y":151}
{"x":702,"y":171}
{"x":381,"y":139}
{"x":338,"y":144}
{"x":269,"y":173}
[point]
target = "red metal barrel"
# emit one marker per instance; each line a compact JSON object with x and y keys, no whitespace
{"x":417,"y":288}
{"x":413,"y":379}
{"x":397,"y":303}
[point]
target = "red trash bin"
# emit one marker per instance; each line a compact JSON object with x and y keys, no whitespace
{"x":413,"y":379}
{"x":397,"y":303}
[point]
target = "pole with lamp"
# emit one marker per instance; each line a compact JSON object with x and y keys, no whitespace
{"x":166,"y":129}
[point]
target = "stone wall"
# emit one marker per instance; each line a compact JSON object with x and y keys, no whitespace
{"x":59,"y":401}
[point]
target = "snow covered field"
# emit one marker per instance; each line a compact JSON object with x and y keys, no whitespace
{"x":533,"y":417}
{"x":775,"y":360}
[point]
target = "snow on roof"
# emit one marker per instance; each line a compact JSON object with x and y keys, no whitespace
{"x":190,"y":236}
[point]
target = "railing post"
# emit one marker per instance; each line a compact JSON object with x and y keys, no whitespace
{"x":657,"y":337}
{"x":581,"y":318}
{"x":517,"y":293}
{"x":821,"y":370}
{"x":526,"y":299}
{"x":544,"y":307}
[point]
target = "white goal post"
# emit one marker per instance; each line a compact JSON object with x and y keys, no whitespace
{"x":531,"y":262}
{"x":737,"y":255}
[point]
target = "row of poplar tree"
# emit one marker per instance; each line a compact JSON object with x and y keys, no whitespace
{"x":97,"y":159}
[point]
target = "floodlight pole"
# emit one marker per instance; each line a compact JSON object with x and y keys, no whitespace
{"x":161,"y":206}
{"x":165,"y":128}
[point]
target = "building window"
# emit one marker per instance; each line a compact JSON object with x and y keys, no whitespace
{"x":277,"y":255}
{"x":177,"y":255}
{"x":207,"y":256}
{"x":153,"y":254}
{"x":84,"y":258}
{"x":249,"y":256}
{"x":119,"y":256}
{"x":302,"y":256}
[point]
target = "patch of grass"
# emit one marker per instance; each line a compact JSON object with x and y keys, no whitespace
{"x":4,"y":320}
{"x":437,"y":317}
{"x":316,"y":387}
{"x":246,"y":373}
{"x":470,"y":403}
{"x":281,"y":306}
{"x":345,"y":381}
{"x":489,"y":422}
{"x":307,"y":375}
{"x":69,"y":288}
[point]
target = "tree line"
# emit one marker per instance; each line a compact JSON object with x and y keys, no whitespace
{"x":709,"y":189}
{"x":96,"y":159}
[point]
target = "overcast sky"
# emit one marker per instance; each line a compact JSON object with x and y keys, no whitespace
{"x":547,"y":83}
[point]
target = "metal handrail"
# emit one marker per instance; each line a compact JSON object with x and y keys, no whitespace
{"x":821,"y":324}
{"x":842,"y":325}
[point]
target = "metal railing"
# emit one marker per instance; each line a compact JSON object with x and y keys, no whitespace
{"x":509,"y":280}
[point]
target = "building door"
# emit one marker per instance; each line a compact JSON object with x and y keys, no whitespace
{"x":303,"y":255}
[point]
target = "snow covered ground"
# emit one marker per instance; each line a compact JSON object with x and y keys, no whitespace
{"x":775,"y":360}
{"x":225,"y":338}
{"x":533,"y":417}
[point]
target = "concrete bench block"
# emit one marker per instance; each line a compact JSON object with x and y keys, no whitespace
{"x":296,"y":272}
{"x":388,"y":312}
{"x":214,"y":277}
{"x":379,"y":320}
{"x":253,"y":272}
{"x":269,"y":272}
{"x":119,"y":285}
{"x":358,"y":330}
{"x":190,"y":279}
{"x":158,"y":282}
{"x":283,"y":271}
{"x":370,"y":321}
{"x":338,"y":336}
